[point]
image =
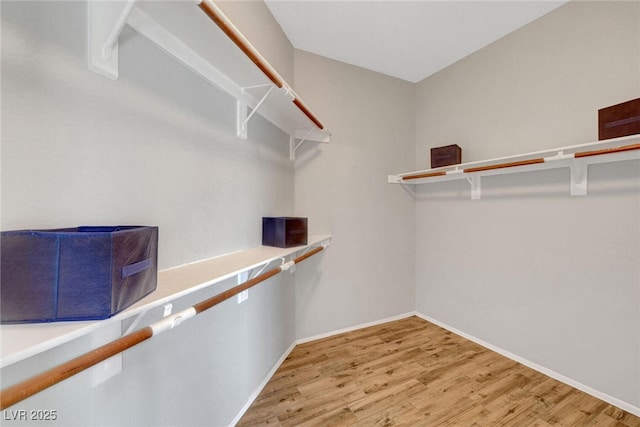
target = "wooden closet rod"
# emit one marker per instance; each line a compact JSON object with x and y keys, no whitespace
{"x":424,"y":175}
{"x":27,"y":388}
{"x":217,"y":16}
{"x":298,"y":102}
{"x":607,"y":151}
{"x":505,"y":165}
{"x":240,"y":40}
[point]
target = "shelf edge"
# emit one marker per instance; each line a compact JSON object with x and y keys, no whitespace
{"x":74,"y":330}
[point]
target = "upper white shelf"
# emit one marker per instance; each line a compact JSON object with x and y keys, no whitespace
{"x":576,"y":157}
{"x":201,"y":37}
{"x":18,"y":342}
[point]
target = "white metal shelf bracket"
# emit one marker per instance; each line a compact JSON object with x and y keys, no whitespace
{"x":135,"y":322}
{"x":258,"y":271}
{"x":292,"y":143}
{"x":106,"y":20}
{"x":242,"y":118}
{"x":476,"y":187}
{"x":306,"y":134}
{"x":112,"y":366}
{"x":578,"y":178}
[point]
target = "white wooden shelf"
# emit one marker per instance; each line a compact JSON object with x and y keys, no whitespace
{"x":21,"y":341}
{"x":576,"y":157}
{"x":203,"y":39}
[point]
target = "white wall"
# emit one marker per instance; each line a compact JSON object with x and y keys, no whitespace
{"x":546,"y":276}
{"x":156,"y":147}
{"x":551,"y":278}
{"x":368,"y":273}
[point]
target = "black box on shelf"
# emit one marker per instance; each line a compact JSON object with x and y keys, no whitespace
{"x":446,"y":156}
{"x":82,"y":273}
{"x":619,"y":120}
{"x":284,"y":232}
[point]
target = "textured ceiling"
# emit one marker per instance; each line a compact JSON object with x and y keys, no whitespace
{"x":409,"y":40}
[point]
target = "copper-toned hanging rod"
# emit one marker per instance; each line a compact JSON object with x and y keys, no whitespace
{"x":607,"y":151}
{"x":236,"y":36}
{"x":20,"y":391}
{"x":424,"y":175}
{"x":217,"y":299}
{"x":505,"y":165}
{"x":27,"y":388}
{"x":308,"y":254}
{"x":245,"y":46}
{"x":298,"y":102}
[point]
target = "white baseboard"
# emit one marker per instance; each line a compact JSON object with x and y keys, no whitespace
{"x":573,"y":383}
{"x":267,"y":378}
{"x":355,"y":328}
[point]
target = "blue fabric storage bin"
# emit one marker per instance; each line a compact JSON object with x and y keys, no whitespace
{"x":82,"y":273}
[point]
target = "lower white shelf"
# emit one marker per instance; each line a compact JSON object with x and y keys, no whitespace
{"x":577,"y":158}
{"x":19,"y":342}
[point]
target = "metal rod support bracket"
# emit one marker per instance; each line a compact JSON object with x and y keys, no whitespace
{"x":290,"y":265}
{"x":476,"y":187}
{"x":114,"y":35}
{"x":578,"y":178}
{"x":172,"y":321}
{"x":242,"y":117}
{"x":259,"y":270}
{"x":135,"y":323}
{"x":298,"y":136}
{"x":105,"y":22}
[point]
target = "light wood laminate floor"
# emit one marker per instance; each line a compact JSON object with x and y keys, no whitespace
{"x":412,"y":373}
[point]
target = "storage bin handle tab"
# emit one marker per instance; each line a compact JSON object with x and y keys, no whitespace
{"x":136,"y":267}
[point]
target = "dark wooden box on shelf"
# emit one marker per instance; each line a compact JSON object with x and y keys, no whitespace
{"x":446,"y":156}
{"x":619,"y":120}
{"x":284,"y":232}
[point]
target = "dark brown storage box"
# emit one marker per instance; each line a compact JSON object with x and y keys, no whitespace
{"x":619,"y":120}
{"x":284,"y":232}
{"x":446,"y":156}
